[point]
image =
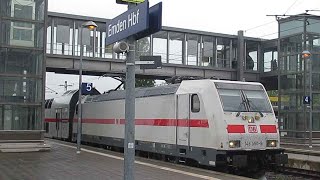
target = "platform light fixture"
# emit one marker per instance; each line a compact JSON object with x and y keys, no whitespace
{"x":306,"y":56}
{"x":91,"y":26}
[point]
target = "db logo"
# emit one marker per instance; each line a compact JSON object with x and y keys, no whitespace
{"x":252,"y":129}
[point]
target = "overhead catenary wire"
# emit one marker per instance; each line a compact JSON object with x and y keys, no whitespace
{"x":291,"y":6}
{"x":51,"y":90}
{"x":288,"y":29}
{"x":74,"y":82}
{"x":255,"y":27}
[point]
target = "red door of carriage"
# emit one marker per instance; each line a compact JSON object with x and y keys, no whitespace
{"x":58,"y":122}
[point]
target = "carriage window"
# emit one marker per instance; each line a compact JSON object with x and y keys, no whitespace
{"x":195,"y":103}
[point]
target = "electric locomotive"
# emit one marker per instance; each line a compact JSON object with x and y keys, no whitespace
{"x":212,"y":122}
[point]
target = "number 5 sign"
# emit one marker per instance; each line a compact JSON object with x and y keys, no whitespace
{"x":86,"y":88}
{"x":306,"y":99}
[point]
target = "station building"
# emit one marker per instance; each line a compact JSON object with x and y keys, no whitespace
{"x":22,"y":69}
{"x":28,"y":34}
{"x":296,"y":34}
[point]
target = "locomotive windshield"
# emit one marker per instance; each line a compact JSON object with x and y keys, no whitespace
{"x":231,"y":100}
{"x":257,"y":101}
{"x":243,"y":98}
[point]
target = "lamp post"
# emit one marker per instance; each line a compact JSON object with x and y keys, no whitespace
{"x":91,"y":26}
{"x":306,"y":56}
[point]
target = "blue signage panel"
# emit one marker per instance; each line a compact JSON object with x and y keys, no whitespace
{"x":155,"y":21}
{"x":306,"y":99}
{"x":128,"y":23}
{"x":86,"y":88}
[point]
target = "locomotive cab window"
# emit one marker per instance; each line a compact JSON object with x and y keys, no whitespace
{"x":258,"y":101}
{"x":195,"y":103}
{"x":231,"y":100}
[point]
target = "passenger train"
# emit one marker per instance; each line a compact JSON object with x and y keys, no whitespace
{"x":212,"y":122}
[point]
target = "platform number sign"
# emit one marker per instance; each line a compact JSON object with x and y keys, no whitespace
{"x":306,"y":99}
{"x":86,"y":88}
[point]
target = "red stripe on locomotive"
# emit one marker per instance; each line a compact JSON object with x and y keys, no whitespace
{"x":203,"y":123}
{"x":268,"y":128}
{"x":236,"y":129}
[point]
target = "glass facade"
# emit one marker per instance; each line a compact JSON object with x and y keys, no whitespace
{"x":176,"y":47}
{"x":160,"y":45}
{"x":208,"y":52}
{"x":270,"y":60}
{"x":22,"y":70}
{"x":180,"y":47}
{"x":223,"y":52}
{"x":251,"y":60}
{"x":193,"y":41}
{"x":296,"y":35}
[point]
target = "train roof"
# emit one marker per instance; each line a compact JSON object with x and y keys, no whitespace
{"x":238,"y":85}
{"x":139,"y":92}
{"x":171,"y":89}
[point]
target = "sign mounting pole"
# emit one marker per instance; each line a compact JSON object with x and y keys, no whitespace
{"x":129,"y":141}
{"x":137,"y":22}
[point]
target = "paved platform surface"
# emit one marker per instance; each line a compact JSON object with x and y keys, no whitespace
{"x":301,"y":149}
{"x":63,"y":163}
{"x":301,"y":156}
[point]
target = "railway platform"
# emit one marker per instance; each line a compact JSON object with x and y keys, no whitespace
{"x":302,"y":157}
{"x":62,"y":162}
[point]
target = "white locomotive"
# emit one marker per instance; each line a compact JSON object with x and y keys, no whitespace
{"x":212,"y":122}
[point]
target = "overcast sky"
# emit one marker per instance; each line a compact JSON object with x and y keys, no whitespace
{"x":226,"y":16}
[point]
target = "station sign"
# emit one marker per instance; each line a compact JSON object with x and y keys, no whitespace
{"x":306,"y":99}
{"x":149,"y":62}
{"x":86,"y":88}
{"x":131,"y":22}
{"x":155,"y":21}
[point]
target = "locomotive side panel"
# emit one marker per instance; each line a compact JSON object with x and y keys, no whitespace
{"x":154,"y":119}
{"x":208,"y":133}
{"x":201,"y":125}
{"x":103,"y":119}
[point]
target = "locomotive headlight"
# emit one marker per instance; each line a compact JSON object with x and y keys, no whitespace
{"x":251,"y":120}
{"x":257,"y":117}
{"x":272,"y":143}
{"x":234,"y":144}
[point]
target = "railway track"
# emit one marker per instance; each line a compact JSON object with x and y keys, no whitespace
{"x":300,"y":172}
{"x":283,"y":172}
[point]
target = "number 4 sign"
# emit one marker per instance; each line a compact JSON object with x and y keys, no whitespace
{"x":306,"y":99}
